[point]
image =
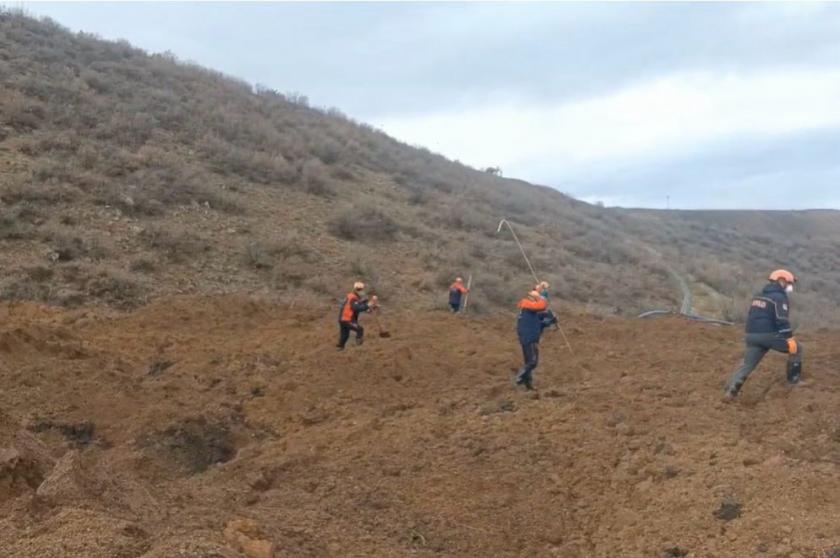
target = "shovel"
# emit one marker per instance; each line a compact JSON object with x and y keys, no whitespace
{"x":384,"y":333}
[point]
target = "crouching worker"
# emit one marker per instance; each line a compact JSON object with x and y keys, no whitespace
{"x":529,"y":326}
{"x":768,"y":328}
{"x":348,"y":319}
{"x":455,"y":291}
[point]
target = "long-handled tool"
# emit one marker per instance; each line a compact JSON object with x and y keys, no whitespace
{"x":382,"y":331}
{"x":533,"y":272}
{"x":467,"y":297}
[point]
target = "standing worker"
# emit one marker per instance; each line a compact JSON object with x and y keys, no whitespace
{"x":348,"y":318}
{"x":768,"y":327}
{"x":455,"y":291}
{"x":530,"y":323}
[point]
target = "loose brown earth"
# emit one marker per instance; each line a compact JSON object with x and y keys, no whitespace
{"x":146,"y":434}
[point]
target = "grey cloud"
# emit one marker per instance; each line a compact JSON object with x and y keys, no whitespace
{"x":793,"y":171}
{"x":375,"y":59}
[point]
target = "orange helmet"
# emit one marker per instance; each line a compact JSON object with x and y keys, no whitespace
{"x":783,"y":274}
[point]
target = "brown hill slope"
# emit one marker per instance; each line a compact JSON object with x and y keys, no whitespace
{"x":139,"y":176}
{"x":127,"y":176}
{"x":143,"y":434}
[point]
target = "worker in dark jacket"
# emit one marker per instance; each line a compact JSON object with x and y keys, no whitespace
{"x":768,"y":328}
{"x":530,"y":323}
{"x":455,"y":291}
{"x":348,"y":318}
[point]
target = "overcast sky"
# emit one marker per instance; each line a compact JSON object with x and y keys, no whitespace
{"x":715,"y":105}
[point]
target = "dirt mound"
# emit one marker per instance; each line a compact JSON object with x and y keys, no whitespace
{"x":76,"y":532}
{"x":24,"y":461}
{"x":414,"y":445}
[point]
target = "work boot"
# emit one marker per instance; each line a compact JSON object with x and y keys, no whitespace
{"x":359,"y":340}
{"x":524,"y":379}
{"x":794,"y":371}
{"x":730,"y":394}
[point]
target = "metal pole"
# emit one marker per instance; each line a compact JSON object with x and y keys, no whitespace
{"x":533,"y":272}
{"x":521,"y":249}
{"x":467,"y":298}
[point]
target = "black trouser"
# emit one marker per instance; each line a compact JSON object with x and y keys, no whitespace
{"x":344,"y":333}
{"x":757,"y":346}
{"x":456,"y":306}
{"x":531,"y":357}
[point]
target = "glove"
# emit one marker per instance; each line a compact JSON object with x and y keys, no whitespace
{"x":374,"y":302}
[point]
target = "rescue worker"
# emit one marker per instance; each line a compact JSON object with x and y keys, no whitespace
{"x":768,"y":328}
{"x":531,"y":321}
{"x":455,"y":291}
{"x":348,"y":318}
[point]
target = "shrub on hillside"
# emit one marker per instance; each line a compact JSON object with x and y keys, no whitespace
{"x":22,"y":115}
{"x":327,"y":150}
{"x":316,"y":179}
{"x":177,"y":247}
{"x":495,"y":291}
{"x":116,"y":289}
{"x":142,"y":265}
{"x":227,"y":158}
{"x":465,"y":218}
{"x":417,"y":196}
{"x":364,"y":224}
{"x":258,"y":256}
{"x":25,"y":289}
{"x":343,"y":173}
{"x":67,"y":246}
{"x":16,"y":222}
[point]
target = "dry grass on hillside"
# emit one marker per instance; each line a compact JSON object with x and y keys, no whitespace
{"x":188,"y":180}
{"x":128,"y":175}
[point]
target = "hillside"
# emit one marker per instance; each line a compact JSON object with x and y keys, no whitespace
{"x":721,"y":252}
{"x":141,"y":176}
{"x":129,"y":176}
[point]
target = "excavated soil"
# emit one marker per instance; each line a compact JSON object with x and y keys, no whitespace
{"x":226,"y":427}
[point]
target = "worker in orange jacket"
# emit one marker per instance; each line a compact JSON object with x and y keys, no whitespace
{"x":455,"y":291}
{"x":533,"y":318}
{"x":348,"y":318}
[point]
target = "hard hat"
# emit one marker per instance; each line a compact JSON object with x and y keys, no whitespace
{"x":459,"y":280}
{"x":783,"y":274}
{"x":358,"y":286}
{"x":544,"y":285}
